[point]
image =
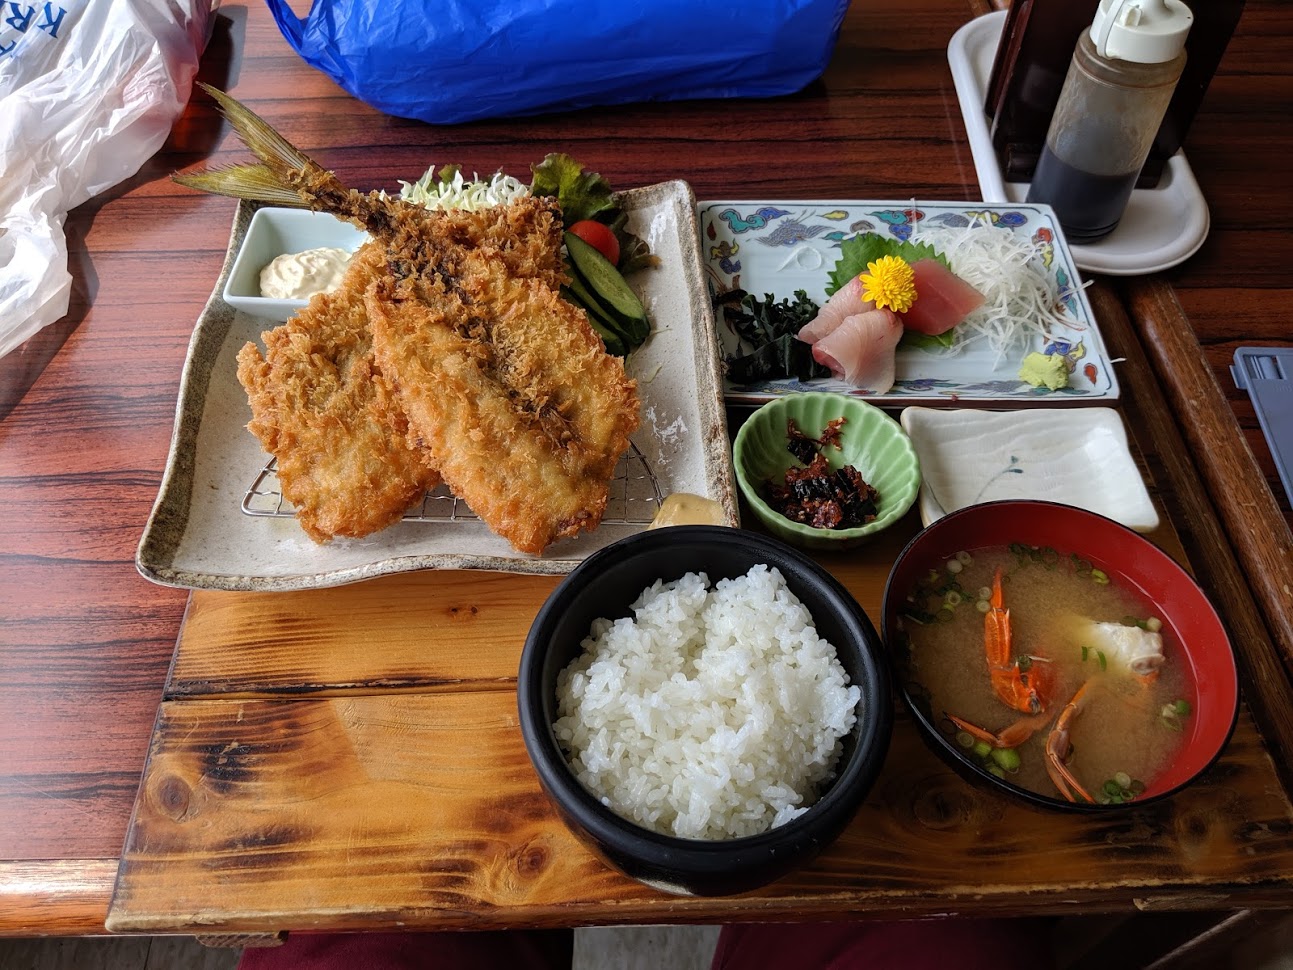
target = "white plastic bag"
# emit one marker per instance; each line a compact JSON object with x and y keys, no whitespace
{"x":89,"y":90}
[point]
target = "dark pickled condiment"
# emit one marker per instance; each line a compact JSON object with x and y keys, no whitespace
{"x":1119,"y":84}
{"x":817,"y":495}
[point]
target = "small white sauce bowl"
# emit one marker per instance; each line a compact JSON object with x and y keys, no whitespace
{"x":271,"y":233}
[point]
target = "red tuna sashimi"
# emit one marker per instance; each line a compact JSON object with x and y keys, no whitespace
{"x":861,"y":349}
{"x":943,"y":299}
{"x":844,"y":302}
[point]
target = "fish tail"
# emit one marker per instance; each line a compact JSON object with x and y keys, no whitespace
{"x":286,"y":175}
{"x":258,"y":183}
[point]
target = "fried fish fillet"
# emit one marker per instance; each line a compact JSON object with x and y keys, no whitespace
{"x":511,"y":391}
{"x":493,"y":378}
{"x":323,"y":408}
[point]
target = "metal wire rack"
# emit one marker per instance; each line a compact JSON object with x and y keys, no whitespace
{"x":634,"y":498}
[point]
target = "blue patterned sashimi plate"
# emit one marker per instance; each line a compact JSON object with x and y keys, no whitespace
{"x":780,"y":247}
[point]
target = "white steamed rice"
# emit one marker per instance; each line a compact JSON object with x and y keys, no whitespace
{"x":711,"y":714}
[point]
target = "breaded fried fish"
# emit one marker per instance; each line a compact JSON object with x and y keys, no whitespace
{"x":322,"y":407}
{"x":496,"y":381}
{"x":513,"y":394}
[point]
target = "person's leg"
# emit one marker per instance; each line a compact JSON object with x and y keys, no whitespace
{"x":935,"y":944}
{"x":511,"y":950}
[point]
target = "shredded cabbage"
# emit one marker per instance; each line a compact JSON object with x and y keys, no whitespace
{"x":1022,"y":302}
{"x":435,"y":192}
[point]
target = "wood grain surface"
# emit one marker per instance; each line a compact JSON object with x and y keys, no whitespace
{"x":400,"y":793}
{"x":422,"y":810}
{"x":86,"y":407}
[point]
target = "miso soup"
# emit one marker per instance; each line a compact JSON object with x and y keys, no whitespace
{"x":1131,"y":723}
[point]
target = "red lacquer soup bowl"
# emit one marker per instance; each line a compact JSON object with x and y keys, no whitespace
{"x":1193,"y":634}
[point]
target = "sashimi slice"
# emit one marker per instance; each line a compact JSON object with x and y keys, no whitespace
{"x":844,"y":302}
{"x":861,"y":349}
{"x":943,"y":299}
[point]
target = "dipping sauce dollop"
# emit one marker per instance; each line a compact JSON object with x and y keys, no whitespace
{"x":299,"y":276}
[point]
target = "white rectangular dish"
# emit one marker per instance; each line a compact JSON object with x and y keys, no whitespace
{"x":766,"y":247}
{"x":1075,"y":457}
{"x":216,"y":523}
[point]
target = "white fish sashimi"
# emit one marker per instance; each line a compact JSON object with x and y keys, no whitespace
{"x":861,"y":349}
{"x":844,"y":302}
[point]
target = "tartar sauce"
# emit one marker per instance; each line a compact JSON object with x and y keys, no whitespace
{"x":683,"y":508}
{"x":299,"y":276}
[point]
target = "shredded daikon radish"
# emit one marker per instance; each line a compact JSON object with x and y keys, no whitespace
{"x":1022,"y":305}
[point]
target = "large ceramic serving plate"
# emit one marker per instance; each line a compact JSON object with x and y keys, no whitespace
{"x":218,"y":522}
{"x":779,"y":247}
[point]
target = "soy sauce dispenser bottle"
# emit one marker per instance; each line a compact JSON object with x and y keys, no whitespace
{"x":1119,"y":83}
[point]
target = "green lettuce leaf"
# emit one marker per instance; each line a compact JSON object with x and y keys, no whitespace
{"x":855,"y":253}
{"x":581,"y":195}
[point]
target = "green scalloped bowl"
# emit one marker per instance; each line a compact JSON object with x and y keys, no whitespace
{"x":873,"y":443}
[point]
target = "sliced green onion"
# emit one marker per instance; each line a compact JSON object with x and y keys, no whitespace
{"x":1050,"y":556}
{"x":1111,"y":788}
{"x":1104,"y":661}
{"x":982,"y":749}
{"x":983,"y":606}
{"x":1181,"y":706}
{"x":985,"y":593}
{"x":1123,"y":779}
{"x":964,"y":558}
{"x":952,"y":598}
{"x":944,"y":615}
{"x":996,"y":772}
{"x":1136,"y":787}
{"x":1007,"y":758}
{"x":954,"y":566}
{"x":1153,"y":624}
{"x":1086,"y":652}
{"x":965,"y":739}
{"x":1099,"y":577}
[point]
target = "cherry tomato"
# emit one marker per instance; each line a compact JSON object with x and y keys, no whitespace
{"x":599,"y":236}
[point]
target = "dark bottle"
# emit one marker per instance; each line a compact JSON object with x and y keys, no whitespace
{"x":1119,"y":83}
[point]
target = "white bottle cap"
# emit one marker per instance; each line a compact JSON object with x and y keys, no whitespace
{"x":1144,"y":31}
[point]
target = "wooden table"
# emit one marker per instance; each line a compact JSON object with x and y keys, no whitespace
{"x":87,"y":408}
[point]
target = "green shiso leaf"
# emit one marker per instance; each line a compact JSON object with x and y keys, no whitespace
{"x":926,"y":341}
{"x":855,"y":253}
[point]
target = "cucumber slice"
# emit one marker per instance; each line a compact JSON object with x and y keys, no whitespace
{"x":613,"y":340}
{"x":584,"y":297}
{"x":607,"y":286}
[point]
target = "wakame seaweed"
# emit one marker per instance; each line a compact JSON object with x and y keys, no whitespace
{"x":767,"y":329}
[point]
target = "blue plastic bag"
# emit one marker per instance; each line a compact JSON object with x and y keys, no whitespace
{"x":458,"y":60}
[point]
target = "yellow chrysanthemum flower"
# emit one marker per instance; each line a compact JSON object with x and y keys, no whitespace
{"x":890,"y":283}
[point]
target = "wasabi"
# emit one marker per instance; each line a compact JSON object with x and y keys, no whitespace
{"x":1045,"y":370}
